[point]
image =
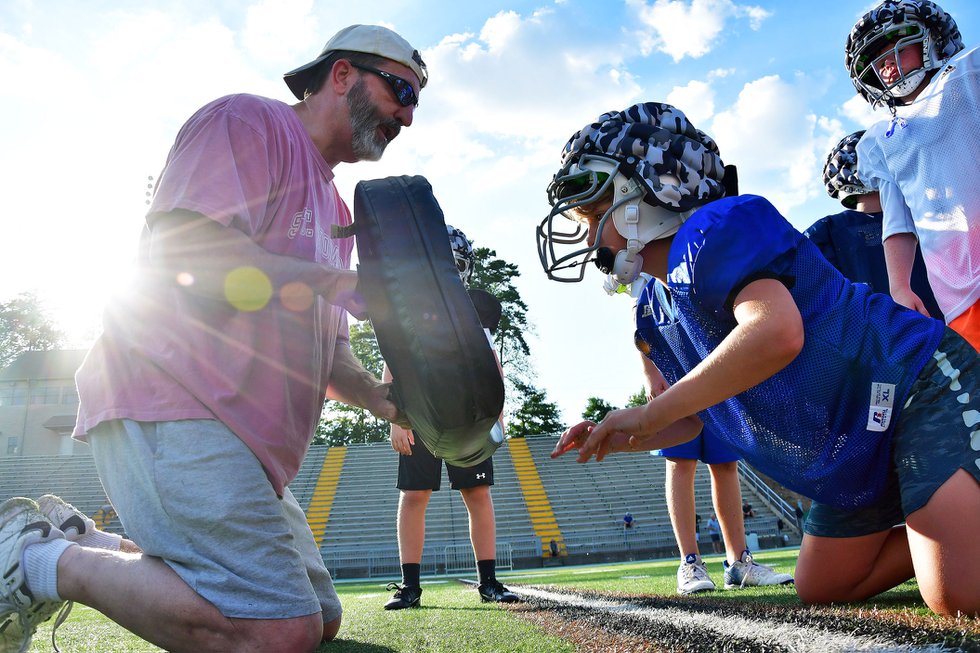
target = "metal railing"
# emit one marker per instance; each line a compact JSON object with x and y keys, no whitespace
{"x":775,"y":502}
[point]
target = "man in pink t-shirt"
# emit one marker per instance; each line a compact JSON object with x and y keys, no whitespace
{"x":201,"y":397}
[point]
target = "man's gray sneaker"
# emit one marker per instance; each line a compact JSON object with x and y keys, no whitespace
{"x":21,"y":524}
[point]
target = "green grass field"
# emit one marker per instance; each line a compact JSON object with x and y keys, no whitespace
{"x":453,"y":619}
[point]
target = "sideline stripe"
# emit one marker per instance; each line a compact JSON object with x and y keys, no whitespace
{"x":771,"y":634}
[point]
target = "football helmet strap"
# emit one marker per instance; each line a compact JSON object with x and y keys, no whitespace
{"x":896,"y":24}
{"x":840,"y":171}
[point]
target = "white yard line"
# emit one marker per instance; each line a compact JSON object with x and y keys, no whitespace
{"x":793,"y":637}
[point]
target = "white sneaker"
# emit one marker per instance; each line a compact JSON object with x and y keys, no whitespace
{"x":746,"y":572}
{"x":69,"y":519}
{"x":692,"y":576}
{"x":21,"y":524}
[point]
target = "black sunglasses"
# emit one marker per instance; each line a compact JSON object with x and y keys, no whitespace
{"x":402,"y":89}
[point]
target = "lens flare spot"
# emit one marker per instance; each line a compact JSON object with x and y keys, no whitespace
{"x":248,"y":288}
{"x":296,"y":296}
{"x":185,"y":279}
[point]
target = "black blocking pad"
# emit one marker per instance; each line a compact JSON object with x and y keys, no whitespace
{"x":445,"y":374}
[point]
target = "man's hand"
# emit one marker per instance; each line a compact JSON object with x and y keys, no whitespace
{"x":380,"y":405}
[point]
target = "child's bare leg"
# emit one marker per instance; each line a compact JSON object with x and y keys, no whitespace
{"x":726,"y":495}
{"x":944,"y":538}
{"x":680,"y":502}
{"x":840,"y":569}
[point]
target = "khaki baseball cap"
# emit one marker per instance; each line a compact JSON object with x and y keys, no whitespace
{"x":372,"y":39}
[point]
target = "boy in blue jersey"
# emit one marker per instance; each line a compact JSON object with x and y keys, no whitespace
{"x":836,"y":392}
{"x":851,"y":240}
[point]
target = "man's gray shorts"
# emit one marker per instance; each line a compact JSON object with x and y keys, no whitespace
{"x":191,"y":493}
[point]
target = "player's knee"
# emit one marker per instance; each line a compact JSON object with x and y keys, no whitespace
{"x":302,"y":634}
{"x":330,"y":629}
{"x":481,"y":492}
{"x":953,"y":602}
{"x":416,"y":498}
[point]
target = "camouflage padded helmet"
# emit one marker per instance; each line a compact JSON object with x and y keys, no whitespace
{"x":889,"y":22}
{"x":462,"y":252}
{"x":840,"y":171}
{"x":655,"y":143}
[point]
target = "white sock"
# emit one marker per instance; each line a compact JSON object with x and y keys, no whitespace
{"x":41,"y":568}
{"x":100,"y":540}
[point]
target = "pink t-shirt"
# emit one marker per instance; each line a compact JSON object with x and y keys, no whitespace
{"x":248,"y":163}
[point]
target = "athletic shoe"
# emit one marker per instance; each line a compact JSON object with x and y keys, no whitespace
{"x":69,"y":519}
{"x":495,"y":592}
{"x":692,"y":576}
{"x":21,"y":524}
{"x":405,"y":596}
{"x":746,"y":572}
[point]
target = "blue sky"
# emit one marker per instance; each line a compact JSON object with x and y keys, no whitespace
{"x":92,"y":95}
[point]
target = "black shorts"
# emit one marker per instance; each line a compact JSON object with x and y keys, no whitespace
{"x":423,"y":471}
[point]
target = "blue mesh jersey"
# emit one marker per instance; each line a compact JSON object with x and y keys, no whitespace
{"x":821,"y":426}
{"x":661,"y":339}
{"x":851,"y":241}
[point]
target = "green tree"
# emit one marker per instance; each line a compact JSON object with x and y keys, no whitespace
{"x":596,"y":408}
{"x":342,"y":424}
{"x":497,"y":277}
{"x":25,"y":326}
{"x":536,"y":414}
{"x":639,"y":398}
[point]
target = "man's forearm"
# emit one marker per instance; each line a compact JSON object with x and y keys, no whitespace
{"x":350,"y":382}
{"x":213,"y":261}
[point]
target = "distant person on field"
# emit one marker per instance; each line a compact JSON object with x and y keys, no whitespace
{"x":420,"y":473}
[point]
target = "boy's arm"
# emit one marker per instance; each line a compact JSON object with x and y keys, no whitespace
{"x":768,"y":337}
{"x":899,"y":258}
{"x":654,"y":381}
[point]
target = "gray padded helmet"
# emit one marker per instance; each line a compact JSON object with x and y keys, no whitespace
{"x":898,"y":23}
{"x":840,"y":171}
{"x":655,"y":167}
{"x":657,"y":145}
{"x":462,"y":252}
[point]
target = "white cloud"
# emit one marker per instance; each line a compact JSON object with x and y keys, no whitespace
{"x":282,"y":31}
{"x":681,"y":29}
{"x":859,"y":111}
{"x":776,"y":141}
{"x":696,"y":100}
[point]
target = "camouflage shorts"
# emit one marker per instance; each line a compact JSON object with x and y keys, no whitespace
{"x":938,"y":432}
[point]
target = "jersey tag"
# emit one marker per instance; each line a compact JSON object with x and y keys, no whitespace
{"x":882,"y":405}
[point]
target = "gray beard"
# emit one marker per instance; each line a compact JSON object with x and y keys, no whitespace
{"x":366,"y":143}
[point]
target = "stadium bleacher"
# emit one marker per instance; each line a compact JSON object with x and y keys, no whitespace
{"x":359,"y":537}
